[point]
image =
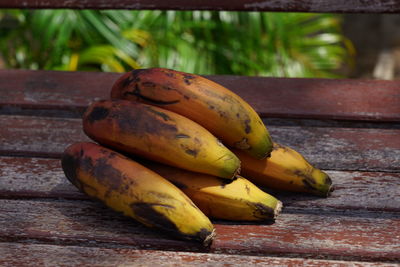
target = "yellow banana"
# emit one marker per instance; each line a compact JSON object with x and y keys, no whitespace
{"x":137,"y":192}
{"x":159,"y":135}
{"x":237,"y":200}
{"x":211,"y":105}
{"x":286,"y":169}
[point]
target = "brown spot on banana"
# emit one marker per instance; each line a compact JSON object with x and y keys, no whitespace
{"x":169,"y":74}
{"x":161,"y":114}
{"x":140,"y":122}
{"x":187,"y":79}
{"x":225,"y":182}
{"x":136,"y":93}
{"x":102,"y":168}
{"x":307,"y":178}
{"x":98,"y":113}
{"x":70,"y":165}
{"x":264,"y":212}
{"x":247,"y":188}
{"x":135,"y":73}
{"x":148,"y":215}
{"x":247,"y":127}
{"x":127,"y":81}
{"x":130,"y":77}
{"x":192,"y":152}
{"x":307,"y":184}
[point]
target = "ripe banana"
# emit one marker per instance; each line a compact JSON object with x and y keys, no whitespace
{"x":286,"y":169}
{"x":211,"y":105}
{"x":159,"y":135}
{"x":236,"y":200}
{"x":137,"y":192}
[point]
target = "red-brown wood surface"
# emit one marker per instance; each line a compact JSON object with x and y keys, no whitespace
{"x":45,"y":220}
{"x":333,"y":148}
{"x":271,"y":97}
{"x":55,"y":255}
{"x":374,"y":191}
{"x":338,"y":235}
{"x":370,"y":6}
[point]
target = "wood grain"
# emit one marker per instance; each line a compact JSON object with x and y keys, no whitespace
{"x":332,"y":148}
{"x":56,"y":255}
{"x":373,"y":191}
{"x":345,"y":235}
{"x":271,"y":97}
{"x":369,"y":6}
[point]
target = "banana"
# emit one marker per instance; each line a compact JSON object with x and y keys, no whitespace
{"x":128,"y":187}
{"x":159,"y":135}
{"x":211,"y":105}
{"x":286,"y":169}
{"x":236,"y":200}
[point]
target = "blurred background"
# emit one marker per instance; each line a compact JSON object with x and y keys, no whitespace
{"x":203,"y":42}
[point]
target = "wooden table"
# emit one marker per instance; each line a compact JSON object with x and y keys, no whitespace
{"x":349,"y":128}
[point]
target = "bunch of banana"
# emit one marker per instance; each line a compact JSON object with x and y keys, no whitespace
{"x":190,"y":138}
{"x":232,"y":120}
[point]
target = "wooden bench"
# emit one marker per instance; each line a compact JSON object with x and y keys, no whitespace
{"x":350,"y":128}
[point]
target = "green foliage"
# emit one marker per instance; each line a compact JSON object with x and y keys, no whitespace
{"x":243,"y":43}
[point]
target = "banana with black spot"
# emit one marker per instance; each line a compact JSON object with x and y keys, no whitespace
{"x":219,"y":110}
{"x":287,"y":170}
{"x":128,"y":187}
{"x":236,"y":200}
{"x":160,"y":135}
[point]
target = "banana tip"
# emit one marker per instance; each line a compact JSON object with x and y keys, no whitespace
{"x":209,"y":239}
{"x":237,"y":172}
{"x":326,"y":192}
{"x":330,"y":190}
{"x":278,"y":209}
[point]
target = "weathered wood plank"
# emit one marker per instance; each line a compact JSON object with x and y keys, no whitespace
{"x":369,"y":6}
{"x":16,"y":254}
{"x":332,"y":148}
{"x":373,"y":191}
{"x":271,"y":97}
{"x":351,"y":236}
{"x":25,"y":135}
